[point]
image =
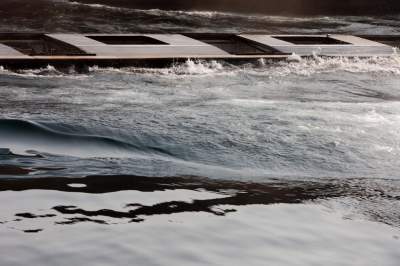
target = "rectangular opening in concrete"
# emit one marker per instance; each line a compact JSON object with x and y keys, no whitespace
{"x":234,"y":44}
{"x":38,"y":45}
{"x":311,"y":40}
{"x":126,"y":40}
{"x":393,"y":41}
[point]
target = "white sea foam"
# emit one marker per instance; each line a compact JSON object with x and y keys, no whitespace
{"x":46,"y":72}
{"x":294,"y":58}
{"x":315,"y":65}
{"x":263,"y":67}
{"x":190,"y":67}
{"x":268,"y":68}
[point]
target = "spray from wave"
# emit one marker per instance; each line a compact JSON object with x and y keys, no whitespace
{"x":270,"y":68}
{"x":262,"y":67}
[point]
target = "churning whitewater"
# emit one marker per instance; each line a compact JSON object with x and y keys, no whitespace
{"x":203,"y":162}
{"x":249,"y":120}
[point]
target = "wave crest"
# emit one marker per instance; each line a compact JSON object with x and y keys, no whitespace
{"x":270,"y":68}
{"x":261,"y":67}
{"x":21,"y":135}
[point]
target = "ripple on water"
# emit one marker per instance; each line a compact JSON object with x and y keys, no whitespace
{"x":192,"y":221}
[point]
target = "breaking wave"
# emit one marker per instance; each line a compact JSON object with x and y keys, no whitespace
{"x":21,"y":136}
{"x":261,"y":67}
{"x":270,"y":68}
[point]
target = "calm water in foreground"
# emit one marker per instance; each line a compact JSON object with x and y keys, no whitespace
{"x":202,"y":163}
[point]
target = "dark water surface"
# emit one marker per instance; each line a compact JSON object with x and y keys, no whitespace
{"x":201,"y":163}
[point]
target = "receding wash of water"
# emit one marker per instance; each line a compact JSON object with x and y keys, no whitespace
{"x":202,"y":162}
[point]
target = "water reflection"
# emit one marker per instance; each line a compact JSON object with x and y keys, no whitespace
{"x":190,"y":195}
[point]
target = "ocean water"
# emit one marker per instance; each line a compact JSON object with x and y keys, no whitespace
{"x":200,"y":163}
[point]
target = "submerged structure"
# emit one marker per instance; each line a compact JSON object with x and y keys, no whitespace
{"x":21,"y":50}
